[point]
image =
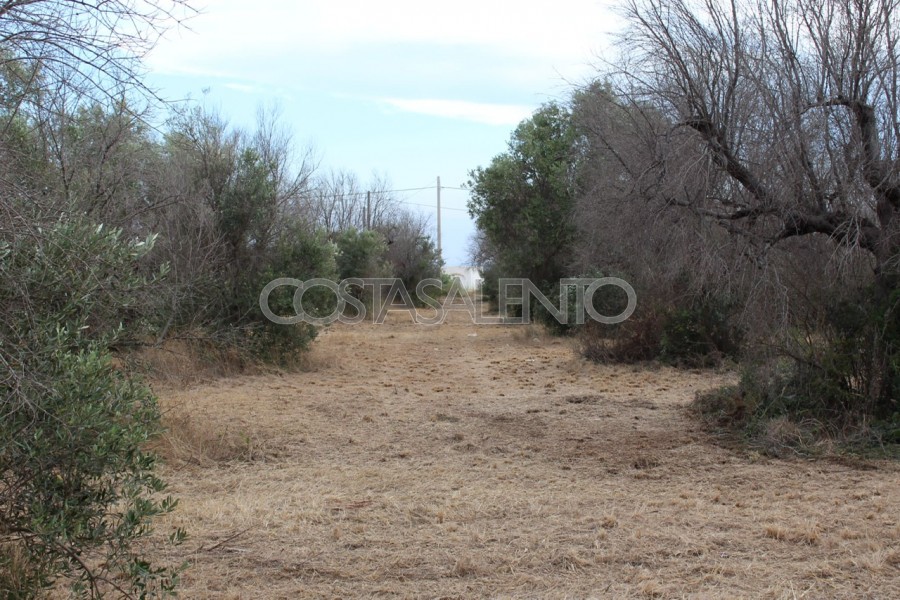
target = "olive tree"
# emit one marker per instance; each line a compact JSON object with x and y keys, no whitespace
{"x":522,"y":202}
{"x":77,"y":488}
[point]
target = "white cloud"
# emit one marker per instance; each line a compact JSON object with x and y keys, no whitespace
{"x":243,"y":88}
{"x":526,"y":26}
{"x":489,"y":114}
{"x":247,"y":39}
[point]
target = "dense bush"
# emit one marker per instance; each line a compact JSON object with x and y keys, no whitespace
{"x":697,"y":335}
{"x":700,"y":335}
{"x":831,"y":377}
{"x":522,"y":202}
{"x":296,"y":254}
{"x":361,"y":254}
{"x":490,"y":287}
{"x":841,"y":372}
{"x":412,"y":255}
{"x":76,"y":487}
{"x":635,"y":340}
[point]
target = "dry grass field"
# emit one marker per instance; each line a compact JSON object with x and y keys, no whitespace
{"x":466,"y":462}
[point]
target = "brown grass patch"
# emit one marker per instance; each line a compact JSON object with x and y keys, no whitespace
{"x":15,"y":574}
{"x":428,"y":463}
{"x":179,"y":363}
{"x":192,"y":439}
{"x":801,"y":534}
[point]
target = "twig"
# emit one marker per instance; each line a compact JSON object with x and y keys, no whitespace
{"x":225,"y":541}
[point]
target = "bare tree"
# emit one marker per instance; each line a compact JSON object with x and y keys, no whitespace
{"x":775,"y":121}
{"x":411,"y":251}
{"x":785,"y":112}
{"x":382,"y":203}
{"x":93,"y":46}
{"x":291,"y":167}
{"x":339,"y":201}
{"x":335,"y":201}
{"x":620,"y":226}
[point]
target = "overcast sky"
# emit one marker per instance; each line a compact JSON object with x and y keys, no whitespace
{"x":411,"y":90}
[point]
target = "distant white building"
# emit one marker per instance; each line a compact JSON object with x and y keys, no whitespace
{"x":469,"y":277}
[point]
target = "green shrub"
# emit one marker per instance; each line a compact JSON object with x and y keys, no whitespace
{"x":300,"y":254}
{"x":490,"y":287}
{"x":76,"y":487}
{"x":411,"y":253}
{"x":360,"y":254}
{"x":425,"y":263}
{"x":446,"y":282}
{"x":844,"y":371}
{"x":785,"y":405}
{"x":699,"y":335}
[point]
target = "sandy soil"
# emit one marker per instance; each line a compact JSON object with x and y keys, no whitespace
{"x":462,"y":462}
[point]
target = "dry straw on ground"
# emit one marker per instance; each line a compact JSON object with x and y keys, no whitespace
{"x":461,"y":462}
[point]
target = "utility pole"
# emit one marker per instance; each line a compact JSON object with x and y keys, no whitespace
{"x":368,"y":210}
{"x":439,"y":215}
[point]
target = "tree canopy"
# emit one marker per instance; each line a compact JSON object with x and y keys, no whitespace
{"x":523,"y":201}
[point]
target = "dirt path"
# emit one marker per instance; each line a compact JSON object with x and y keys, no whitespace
{"x":464,"y":461}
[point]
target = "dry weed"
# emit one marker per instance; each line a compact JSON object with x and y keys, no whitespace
{"x":192,"y":439}
{"x":426,"y":463}
{"x":783,"y":437}
{"x":15,"y":576}
{"x":179,"y":363}
{"x":803,"y":534}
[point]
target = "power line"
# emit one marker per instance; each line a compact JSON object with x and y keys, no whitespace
{"x":432,"y":205}
{"x":415,"y":189}
{"x":418,"y":189}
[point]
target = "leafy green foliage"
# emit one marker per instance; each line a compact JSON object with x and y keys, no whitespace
{"x":298,"y":254}
{"x":254,"y":230}
{"x":842,"y":372}
{"x":76,"y":487}
{"x":523,"y":201}
{"x":246,"y":208}
{"x":411,"y":254}
{"x":852,"y":364}
{"x":360,"y":254}
{"x":423,"y":262}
